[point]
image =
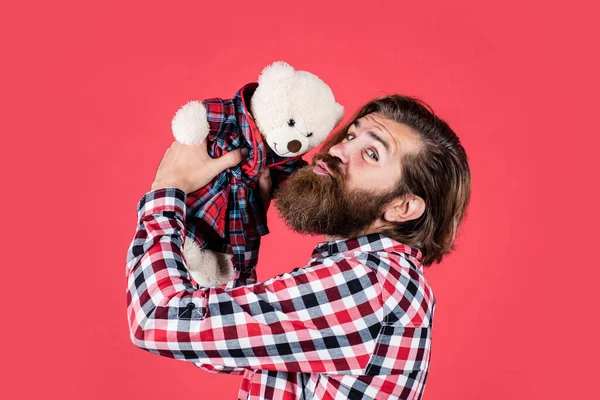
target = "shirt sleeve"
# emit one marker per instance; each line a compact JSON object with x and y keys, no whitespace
{"x":323,"y":317}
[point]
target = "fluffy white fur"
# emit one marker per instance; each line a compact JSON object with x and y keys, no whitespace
{"x":190,"y":123}
{"x":283,"y":94}
{"x":208,"y":268}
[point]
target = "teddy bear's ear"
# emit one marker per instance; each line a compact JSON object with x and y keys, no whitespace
{"x":275,"y":72}
{"x":339,"y":113}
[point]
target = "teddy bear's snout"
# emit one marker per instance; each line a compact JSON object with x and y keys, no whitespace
{"x":294,"y":146}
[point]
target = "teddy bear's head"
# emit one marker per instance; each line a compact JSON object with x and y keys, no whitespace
{"x":294,"y":110}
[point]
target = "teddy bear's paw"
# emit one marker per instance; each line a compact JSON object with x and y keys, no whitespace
{"x":208,"y":268}
{"x":190,"y":123}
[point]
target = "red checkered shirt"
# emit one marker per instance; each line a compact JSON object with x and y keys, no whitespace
{"x":354,"y":322}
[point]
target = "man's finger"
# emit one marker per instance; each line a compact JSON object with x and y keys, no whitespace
{"x":230,"y":159}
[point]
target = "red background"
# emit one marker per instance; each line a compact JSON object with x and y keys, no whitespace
{"x":88,"y":93}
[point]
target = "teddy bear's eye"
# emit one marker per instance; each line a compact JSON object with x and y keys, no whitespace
{"x":309,"y":134}
{"x":291,"y":122}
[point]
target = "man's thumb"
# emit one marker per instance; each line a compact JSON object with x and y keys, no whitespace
{"x":232,"y":158}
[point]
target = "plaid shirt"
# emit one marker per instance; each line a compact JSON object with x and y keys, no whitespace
{"x":354,"y":322}
{"x":226,"y":215}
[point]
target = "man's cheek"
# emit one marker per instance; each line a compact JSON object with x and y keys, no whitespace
{"x":348,"y":185}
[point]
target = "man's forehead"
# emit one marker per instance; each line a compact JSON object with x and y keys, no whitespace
{"x":405,"y":139}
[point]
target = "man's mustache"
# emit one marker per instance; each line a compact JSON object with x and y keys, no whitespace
{"x":333,"y":164}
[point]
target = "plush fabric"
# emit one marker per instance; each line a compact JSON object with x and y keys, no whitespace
{"x":227,"y":215}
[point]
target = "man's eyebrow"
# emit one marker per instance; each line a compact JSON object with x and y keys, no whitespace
{"x":379,"y":139}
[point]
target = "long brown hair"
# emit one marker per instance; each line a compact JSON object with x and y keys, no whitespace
{"x":438,"y":173}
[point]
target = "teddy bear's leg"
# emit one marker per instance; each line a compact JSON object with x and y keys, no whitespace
{"x":225,"y":270}
{"x":190,"y":123}
{"x":207,"y":267}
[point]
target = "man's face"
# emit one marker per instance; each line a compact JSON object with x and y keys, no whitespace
{"x":345,"y":190}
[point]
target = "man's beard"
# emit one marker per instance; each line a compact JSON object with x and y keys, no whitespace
{"x":316,"y":204}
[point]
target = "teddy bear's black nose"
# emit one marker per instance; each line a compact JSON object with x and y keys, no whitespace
{"x":294,"y":146}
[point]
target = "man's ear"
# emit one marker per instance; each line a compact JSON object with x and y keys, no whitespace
{"x":404,"y":208}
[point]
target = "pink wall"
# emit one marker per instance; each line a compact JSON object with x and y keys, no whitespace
{"x":88,"y":92}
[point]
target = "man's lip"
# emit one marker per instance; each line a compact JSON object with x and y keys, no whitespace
{"x":321,"y":167}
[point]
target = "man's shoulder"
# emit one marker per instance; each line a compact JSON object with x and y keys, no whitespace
{"x":407,"y":292}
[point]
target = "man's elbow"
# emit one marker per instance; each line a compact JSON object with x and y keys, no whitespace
{"x":137,"y":337}
{"x":137,"y":331}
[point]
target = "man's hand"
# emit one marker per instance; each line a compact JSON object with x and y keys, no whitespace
{"x":190,"y":167}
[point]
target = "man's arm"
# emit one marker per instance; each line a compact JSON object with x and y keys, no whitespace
{"x":320,"y":318}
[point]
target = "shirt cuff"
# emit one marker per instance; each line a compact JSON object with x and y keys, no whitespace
{"x":170,"y":199}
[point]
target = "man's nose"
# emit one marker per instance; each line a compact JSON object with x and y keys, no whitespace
{"x":340,"y":151}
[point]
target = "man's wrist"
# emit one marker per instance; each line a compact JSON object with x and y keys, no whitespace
{"x":164,"y":184}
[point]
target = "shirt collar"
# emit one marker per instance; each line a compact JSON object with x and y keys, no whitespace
{"x":367,"y":243}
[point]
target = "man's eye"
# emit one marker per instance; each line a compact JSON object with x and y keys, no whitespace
{"x":372,"y":154}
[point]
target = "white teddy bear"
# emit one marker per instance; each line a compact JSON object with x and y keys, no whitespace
{"x":293,"y":112}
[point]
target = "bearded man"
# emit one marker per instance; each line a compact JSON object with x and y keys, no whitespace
{"x":389,"y":192}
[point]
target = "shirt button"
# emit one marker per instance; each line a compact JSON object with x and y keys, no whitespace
{"x":191,"y":305}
